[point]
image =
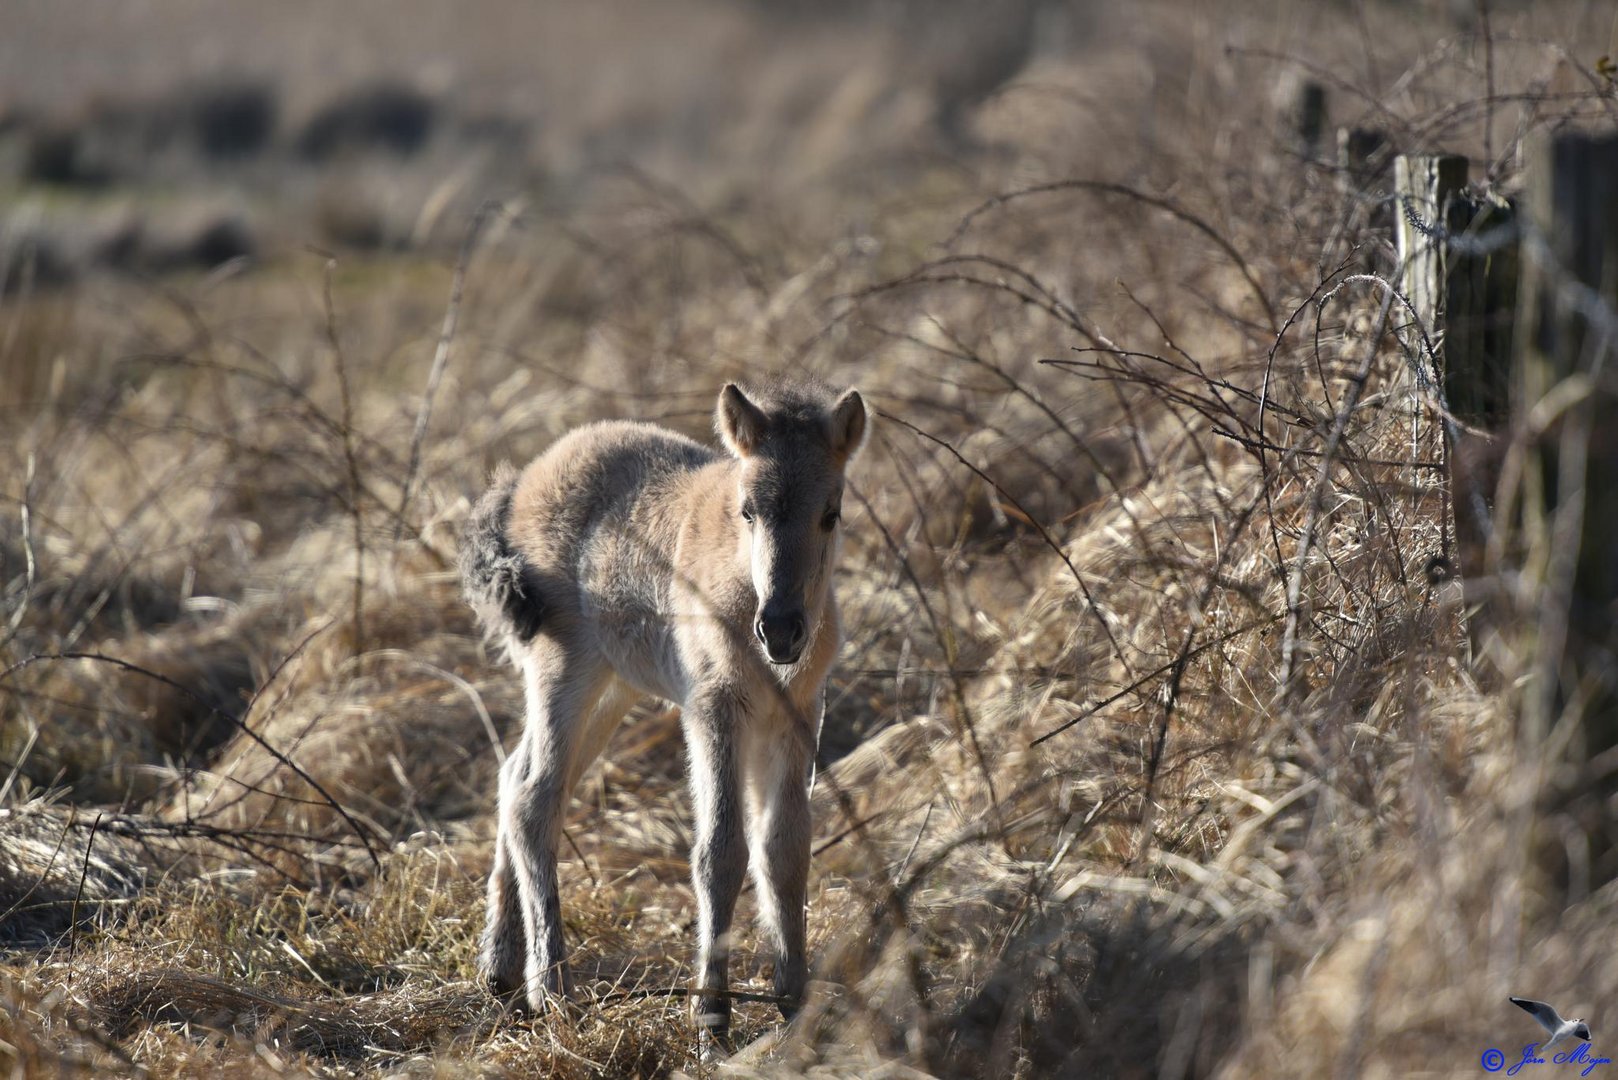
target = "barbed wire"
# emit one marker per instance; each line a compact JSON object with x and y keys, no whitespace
{"x":1490,"y":240}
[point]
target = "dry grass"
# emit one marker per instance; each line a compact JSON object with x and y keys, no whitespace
{"x":1154,"y":749}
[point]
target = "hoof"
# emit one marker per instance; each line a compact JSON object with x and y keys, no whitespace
{"x":790,"y":984}
{"x":712,"y":1015}
{"x":509,"y":996}
{"x":549,"y":996}
{"x":512,"y":997}
{"x":500,"y":964}
{"x":713,"y":1043}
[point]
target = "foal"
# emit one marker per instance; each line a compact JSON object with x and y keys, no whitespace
{"x":629,"y":560}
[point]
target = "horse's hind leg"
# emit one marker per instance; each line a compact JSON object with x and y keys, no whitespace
{"x":504,"y":952}
{"x":562,"y":691}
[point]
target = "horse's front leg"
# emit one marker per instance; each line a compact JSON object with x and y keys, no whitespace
{"x":777,"y":759}
{"x":719,"y":856}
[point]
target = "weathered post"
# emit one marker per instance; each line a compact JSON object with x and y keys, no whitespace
{"x":1567,"y":360}
{"x":1460,"y":275}
{"x":1429,"y":194}
{"x":1363,"y":156}
{"x":1309,"y":117}
{"x":1459,"y":272}
{"x":1364,"y":169}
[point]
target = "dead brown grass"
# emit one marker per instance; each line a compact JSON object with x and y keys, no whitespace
{"x":1154,"y":749}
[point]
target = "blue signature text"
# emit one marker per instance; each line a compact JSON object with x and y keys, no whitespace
{"x":1494,"y":1060}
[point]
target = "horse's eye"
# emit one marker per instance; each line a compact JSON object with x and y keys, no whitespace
{"x":747,"y":514}
{"x":829,"y":522}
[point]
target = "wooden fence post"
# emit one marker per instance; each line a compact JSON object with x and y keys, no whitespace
{"x":1364,"y":168}
{"x":1362,"y":159}
{"x":1459,"y":272}
{"x":1309,"y":117}
{"x":1428,"y":191}
{"x":1567,"y":361}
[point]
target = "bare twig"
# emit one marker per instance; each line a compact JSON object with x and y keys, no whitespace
{"x":30,"y":570}
{"x":1044,"y":533}
{"x":435,"y":373}
{"x":1317,"y":494}
{"x":1140,"y":683}
{"x":73,"y":915}
{"x":1168,"y":206}
{"x":945,"y":642}
{"x":359,"y":831}
{"x":354,"y":508}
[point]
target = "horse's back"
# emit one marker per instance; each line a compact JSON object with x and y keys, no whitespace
{"x":596,"y":517}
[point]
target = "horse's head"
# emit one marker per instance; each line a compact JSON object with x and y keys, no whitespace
{"x":794,"y":445}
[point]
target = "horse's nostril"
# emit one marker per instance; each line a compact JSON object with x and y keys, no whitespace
{"x":782,"y":635}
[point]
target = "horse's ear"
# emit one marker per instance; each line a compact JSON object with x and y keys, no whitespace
{"x":848,"y":425}
{"x":739,"y":422}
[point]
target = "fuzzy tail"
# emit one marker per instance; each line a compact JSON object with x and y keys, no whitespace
{"x":495,"y":580}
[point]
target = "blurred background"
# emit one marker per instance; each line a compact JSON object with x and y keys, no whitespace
{"x":152,"y":136}
{"x":159,"y":135}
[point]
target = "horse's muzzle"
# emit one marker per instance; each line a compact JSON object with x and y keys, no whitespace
{"x":782,"y":633}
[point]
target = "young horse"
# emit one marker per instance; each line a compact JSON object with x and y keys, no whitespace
{"x":629,"y":560}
